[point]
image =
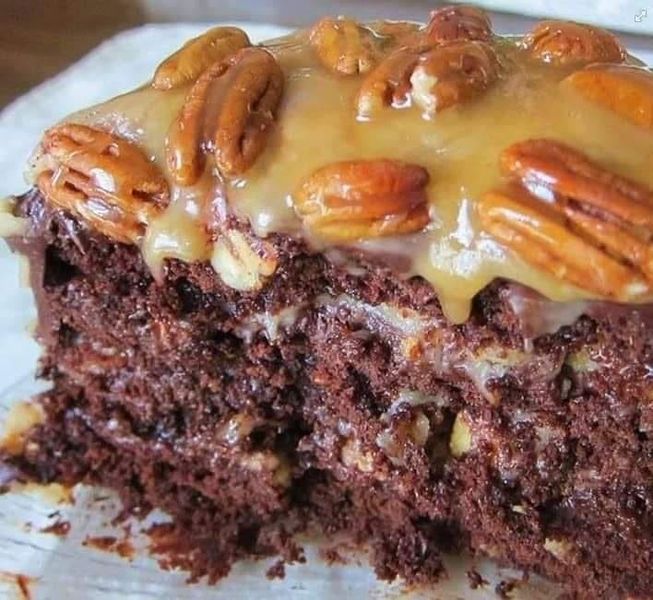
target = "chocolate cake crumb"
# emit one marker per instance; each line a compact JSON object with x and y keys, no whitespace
{"x":475,"y":579}
{"x":277,"y":570}
{"x":332,"y":556}
{"x":109,"y":543}
{"x":341,"y":402}
{"x":504,"y":588}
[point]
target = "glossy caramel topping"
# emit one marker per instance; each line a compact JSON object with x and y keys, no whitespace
{"x":502,"y":94}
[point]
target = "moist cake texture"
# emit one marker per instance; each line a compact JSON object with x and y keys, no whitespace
{"x":385,"y":281}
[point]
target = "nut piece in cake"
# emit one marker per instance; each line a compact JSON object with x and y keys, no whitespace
{"x":562,"y":549}
{"x":197,"y":55}
{"x":240,"y":264}
{"x":625,"y":90}
{"x":574,"y":219}
{"x":364,"y":199}
{"x":10,"y":225}
{"x":458,"y":23}
{"x":568,"y":43}
{"x":19,"y":421}
{"x":344,"y":46}
{"x":228,"y":112}
{"x":460,"y":442}
{"x":102,"y":179}
{"x":433,"y":78}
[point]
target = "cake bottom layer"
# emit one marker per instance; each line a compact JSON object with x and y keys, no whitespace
{"x":339,"y":399}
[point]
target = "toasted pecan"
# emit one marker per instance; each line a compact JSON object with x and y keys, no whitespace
{"x":568,"y":43}
{"x":625,"y":90}
{"x":453,"y":74}
{"x":434,"y":78}
{"x":458,"y":23}
{"x":389,"y":84}
{"x":542,"y":237}
{"x":229,"y":112}
{"x":364,"y":199}
{"x":102,"y":179}
{"x":345,"y":46}
{"x":574,"y":218}
{"x":552,"y":169}
{"x":196,"y":55}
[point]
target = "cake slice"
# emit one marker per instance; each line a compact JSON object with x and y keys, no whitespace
{"x":387,"y":281}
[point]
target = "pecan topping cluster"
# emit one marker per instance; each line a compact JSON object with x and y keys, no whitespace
{"x":102,"y":179}
{"x":574,"y":219}
{"x":448,"y":63}
{"x":559,"y":210}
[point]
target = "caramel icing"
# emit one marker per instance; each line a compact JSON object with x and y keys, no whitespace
{"x":317,"y":124}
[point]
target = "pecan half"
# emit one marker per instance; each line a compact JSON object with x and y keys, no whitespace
{"x":573,"y":218}
{"x":625,"y":90}
{"x":364,"y":199}
{"x":433,"y":78}
{"x":458,"y":23}
{"x":345,"y":46}
{"x":552,"y":169}
{"x":388,"y":84}
{"x":453,"y":74}
{"x":398,"y":33}
{"x":568,"y":43}
{"x":542,"y":237}
{"x":229,"y":112}
{"x":197,"y":55}
{"x":101,"y":179}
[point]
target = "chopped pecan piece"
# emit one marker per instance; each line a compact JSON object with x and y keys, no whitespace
{"x":197,"y":55}
{"x":458,"y":23}
{"x":573,"y":218}
{"x":229,"y":112}
{"x":625,"y":90}
{"x":567,"y":43}
{"x":101,"y":179}
{"x":243,"y":262}
{"x":344,"y":46}
{"x":433,"y":78}
{"x":364,"y":199}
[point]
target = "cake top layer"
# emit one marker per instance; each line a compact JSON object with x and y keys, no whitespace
{"x":462,"y":155}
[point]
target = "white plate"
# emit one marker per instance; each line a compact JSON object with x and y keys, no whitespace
{"x":61,"y":568}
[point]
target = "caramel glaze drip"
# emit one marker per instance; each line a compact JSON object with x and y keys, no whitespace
{"x":318,"y":123}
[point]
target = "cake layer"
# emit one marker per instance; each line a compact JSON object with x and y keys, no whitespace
{"x":338,"y":398}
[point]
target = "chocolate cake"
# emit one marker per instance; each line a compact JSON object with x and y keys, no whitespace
{"x":388,"y":281}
